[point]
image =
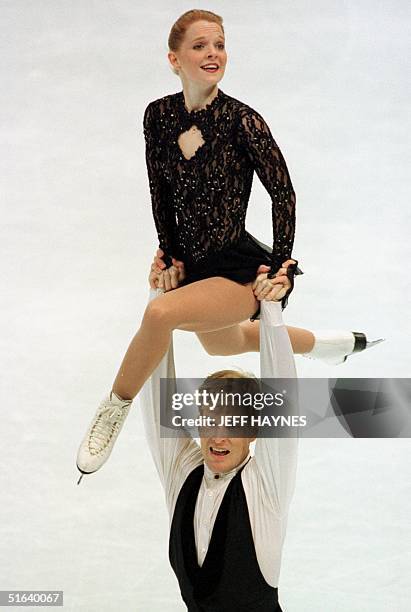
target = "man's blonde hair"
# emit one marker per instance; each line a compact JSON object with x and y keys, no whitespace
{"x":235,"y":386}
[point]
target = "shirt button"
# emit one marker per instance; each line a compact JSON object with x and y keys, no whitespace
{"x":210,"y":494}
{"x":203,"y":549}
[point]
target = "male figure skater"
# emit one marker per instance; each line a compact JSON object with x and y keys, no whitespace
{"x":227,"y":508}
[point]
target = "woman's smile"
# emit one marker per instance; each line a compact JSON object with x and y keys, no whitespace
{"x":210,"y":67}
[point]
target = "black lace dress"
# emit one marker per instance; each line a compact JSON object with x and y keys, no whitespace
{"x":199,"y":204}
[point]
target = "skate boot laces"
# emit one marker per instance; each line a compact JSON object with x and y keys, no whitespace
{"x":105,"y":427}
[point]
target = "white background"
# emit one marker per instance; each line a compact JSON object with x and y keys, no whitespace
{"x":77,"y":238}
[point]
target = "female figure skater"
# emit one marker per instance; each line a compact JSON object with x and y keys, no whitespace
{"x":202,"y":147}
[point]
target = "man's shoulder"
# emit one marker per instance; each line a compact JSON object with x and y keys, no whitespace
{"x":251,"y":474}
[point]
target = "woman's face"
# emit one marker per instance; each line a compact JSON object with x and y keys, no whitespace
{"x":203,"y":44}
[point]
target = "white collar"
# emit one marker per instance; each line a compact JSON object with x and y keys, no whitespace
{"x":214,"y":477}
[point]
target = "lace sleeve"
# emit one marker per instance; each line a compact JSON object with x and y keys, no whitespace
{"x":272,"y":171}
{"x":160,"y":203}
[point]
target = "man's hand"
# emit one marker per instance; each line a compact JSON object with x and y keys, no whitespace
{"x":163,"y":278}
{"x":272,"y":288}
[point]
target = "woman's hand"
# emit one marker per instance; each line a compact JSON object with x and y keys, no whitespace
{"x":163,"y":278}
{"x":272,"y":288}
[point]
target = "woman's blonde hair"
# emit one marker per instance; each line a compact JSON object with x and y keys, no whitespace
{"x":179,"y":29}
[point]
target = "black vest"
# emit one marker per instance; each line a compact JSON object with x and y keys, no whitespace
{"x":230,"y":579}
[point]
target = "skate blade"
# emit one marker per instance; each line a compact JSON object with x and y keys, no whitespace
{"x":79,"y":480}
{"x":338,"y":360}
{"x":371,"y":343}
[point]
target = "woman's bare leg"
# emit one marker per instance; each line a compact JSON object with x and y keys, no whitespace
{"x":302,"y":340}
{"x":245,"y":337}
{"x":203,"y":306}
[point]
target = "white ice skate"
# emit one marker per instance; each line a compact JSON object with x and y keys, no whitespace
{"x":102,"y":433}
{"x":333,"y":346}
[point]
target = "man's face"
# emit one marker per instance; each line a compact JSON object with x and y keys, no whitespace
{"x":237,"y":448}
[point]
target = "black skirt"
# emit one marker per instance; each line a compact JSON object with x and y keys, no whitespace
{"x":238,"y":262}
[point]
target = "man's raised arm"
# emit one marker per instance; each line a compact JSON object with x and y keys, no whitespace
{"x":276,"y":457}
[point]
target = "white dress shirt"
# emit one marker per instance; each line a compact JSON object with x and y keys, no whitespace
{"x":269,"y":476}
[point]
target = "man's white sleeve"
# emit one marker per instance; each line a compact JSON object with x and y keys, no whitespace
{"x":276,"y":457}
